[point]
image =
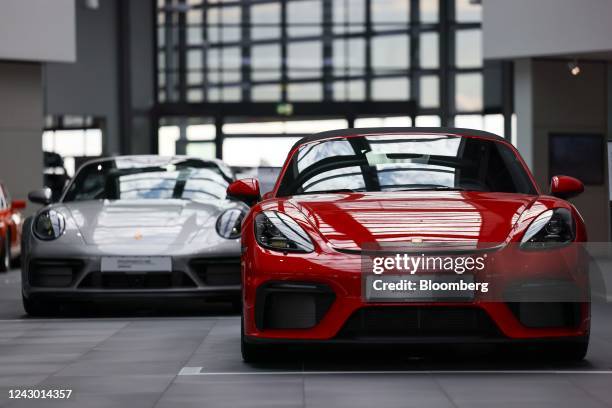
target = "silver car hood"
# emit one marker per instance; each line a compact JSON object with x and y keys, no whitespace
{"x":146,"y":222}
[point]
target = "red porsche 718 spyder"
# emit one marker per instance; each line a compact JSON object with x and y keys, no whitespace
{"x":448,"y":191}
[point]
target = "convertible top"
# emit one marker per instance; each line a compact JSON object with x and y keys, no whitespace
{"x":139,"y":160}
{"x":393,"y":130}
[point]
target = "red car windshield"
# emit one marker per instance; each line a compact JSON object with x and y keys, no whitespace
{"x":404,"y":163}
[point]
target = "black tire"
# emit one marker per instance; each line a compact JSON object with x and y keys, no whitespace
{"x":251,"y":353}
{"x":553,"y":351}
{"x":570,"y":351}
{"x":5,"y":254}
{"x":36,"y":308}
{"x":237,"y":306}
{"x":16,"y":262}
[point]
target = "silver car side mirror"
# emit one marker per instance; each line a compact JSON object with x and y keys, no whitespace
{"x":41,"y":196}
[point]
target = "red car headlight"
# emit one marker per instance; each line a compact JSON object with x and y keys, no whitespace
{"x":550,"y":229}
{"x":279,"y":232}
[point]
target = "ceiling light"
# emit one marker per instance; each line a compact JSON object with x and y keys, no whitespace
{"x":92,"y":4}
{"x":574,"y":68}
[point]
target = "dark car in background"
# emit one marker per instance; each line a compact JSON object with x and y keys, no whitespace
{"x":55,"y":175}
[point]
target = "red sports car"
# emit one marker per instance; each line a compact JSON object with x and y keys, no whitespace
{"x":327,"y":255}
{"x":10,"y":228}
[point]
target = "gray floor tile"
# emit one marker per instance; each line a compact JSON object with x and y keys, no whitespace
{"x":526,"y":389}
{"x":363,"y":391}
{"x":235,"y":392}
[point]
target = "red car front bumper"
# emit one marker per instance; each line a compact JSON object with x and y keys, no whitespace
{"x":335,"y":279}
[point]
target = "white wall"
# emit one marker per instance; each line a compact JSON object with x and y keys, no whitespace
{"x":526,"y":28}
{"x":37,"y":30}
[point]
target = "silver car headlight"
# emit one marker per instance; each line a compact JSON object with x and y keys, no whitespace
{"x":277,"y":231}
{"x":550,"y":229}
{"x":49,"y":225}
{"x":229,"y":223}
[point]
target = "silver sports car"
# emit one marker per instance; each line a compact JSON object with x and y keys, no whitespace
{"x":134,"y":226}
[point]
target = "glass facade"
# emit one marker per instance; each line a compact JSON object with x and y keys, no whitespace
{"x":75,"y":138}
{"x":321,"y":50}
{"x":73,"y":143}
{"x":249,"y":51}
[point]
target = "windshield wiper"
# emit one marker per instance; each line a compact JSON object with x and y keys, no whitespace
{"x":430,"y":188}
{"x":336,"y":191}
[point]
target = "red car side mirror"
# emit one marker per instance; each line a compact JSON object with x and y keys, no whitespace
{"x":565,"y":187}
{"x":246,"y":190}
{"x":18,"y":205}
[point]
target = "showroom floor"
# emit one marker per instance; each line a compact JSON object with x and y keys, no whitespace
{"x":180,"y":357}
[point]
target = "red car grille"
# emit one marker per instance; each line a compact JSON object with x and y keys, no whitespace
{"x":414,"y":321}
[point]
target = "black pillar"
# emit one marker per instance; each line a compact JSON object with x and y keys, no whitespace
{"x":219,"y":137}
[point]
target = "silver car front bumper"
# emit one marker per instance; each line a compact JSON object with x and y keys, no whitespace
{"x":82,"y":278}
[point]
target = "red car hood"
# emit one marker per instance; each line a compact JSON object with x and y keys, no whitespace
{"x":348,"y":221}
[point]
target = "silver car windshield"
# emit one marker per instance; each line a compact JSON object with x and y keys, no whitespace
{"x":111,"y":180}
